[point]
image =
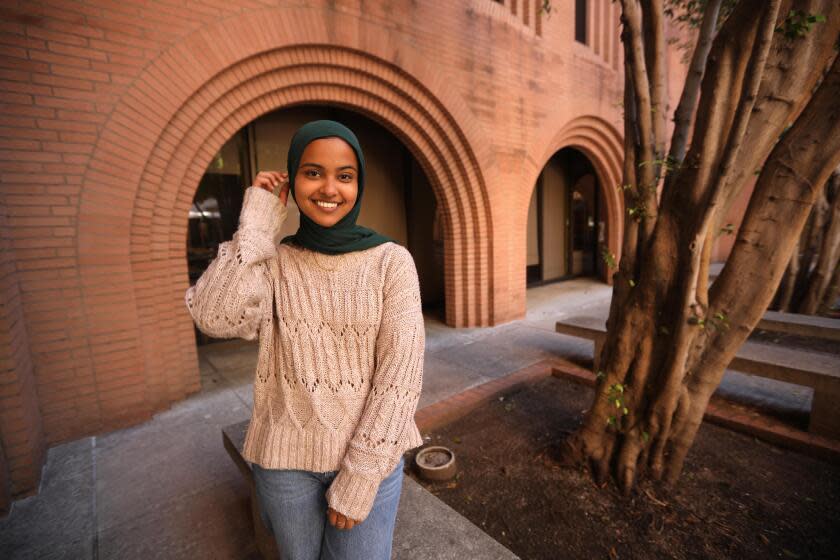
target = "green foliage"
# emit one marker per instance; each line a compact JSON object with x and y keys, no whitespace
{"x":798,"y":23}
{"x":728,"y":229}
{"x":615,"y":396}
{"x":690,"y":12}
{"x":609,"y":258}
{"x":667,"y":162}
{"x":637,"y":212}
{"x":546,"y":7}
{"x":719,"y":320}
{"x":699,"y":321}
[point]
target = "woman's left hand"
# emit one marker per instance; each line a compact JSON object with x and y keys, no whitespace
{"x":339,"y":520}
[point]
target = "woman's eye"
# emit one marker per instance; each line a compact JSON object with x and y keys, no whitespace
{"x":346,"y":177}
{"x":308,"y":171}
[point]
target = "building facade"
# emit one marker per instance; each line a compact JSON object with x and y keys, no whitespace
{"x":494,"y":134}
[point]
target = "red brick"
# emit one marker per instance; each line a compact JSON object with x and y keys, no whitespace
{"x":71,"y":83}
{"x":35,"y":133}
{"x":82,"y":52}
{"x":28,"y":110}
{"x":28,"y":87}
{"x":21,"y":41}
{"x":83,"y":74}
{"x":55,"y":58}
{"x":73,"y":126}
{"x":60,"y":103}
{"x":17,"y":98}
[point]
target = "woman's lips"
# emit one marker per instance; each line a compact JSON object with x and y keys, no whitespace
{"x":325,"y":206}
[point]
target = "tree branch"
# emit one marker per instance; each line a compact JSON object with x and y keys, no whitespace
{"x":691,"y":91}
{"x":803,"y":158}
{"x":654,"y":43}
{"x":790,"y":69}
{"x":758,"y":60}
{"x":635,"y":66}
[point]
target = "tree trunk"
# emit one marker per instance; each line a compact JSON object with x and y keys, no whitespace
{"x":789,"y":281}
{"x":828,"y":251}
{"x":831,"y":294}
{"x":669,"y":336}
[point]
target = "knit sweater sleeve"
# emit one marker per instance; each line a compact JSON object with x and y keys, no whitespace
{"x":232,"y":296}
{"x":378,"y":440}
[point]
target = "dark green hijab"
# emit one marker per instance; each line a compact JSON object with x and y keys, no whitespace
{"x":344,"y":236}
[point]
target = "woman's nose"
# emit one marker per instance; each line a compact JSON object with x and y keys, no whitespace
{"x":329,"y":188}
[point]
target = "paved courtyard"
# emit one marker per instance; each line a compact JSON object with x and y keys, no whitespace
{"x":167,"y":488}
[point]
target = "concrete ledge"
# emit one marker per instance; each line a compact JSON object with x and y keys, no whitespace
{"x":459,"y":405}
{"x":428,"y":529}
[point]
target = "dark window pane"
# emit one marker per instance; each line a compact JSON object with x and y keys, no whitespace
{"x":580,"y":21}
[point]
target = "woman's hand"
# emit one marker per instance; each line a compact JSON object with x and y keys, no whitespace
{"x":339,"y":520}
{"x":269,"y":180}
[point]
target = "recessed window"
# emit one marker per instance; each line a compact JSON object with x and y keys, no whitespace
{"x":580,"y":21}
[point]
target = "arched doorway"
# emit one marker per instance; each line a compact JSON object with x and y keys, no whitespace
{"x":152,"y":152}
{"x":148,"y":180}
{"x":566,"y":230}
{"x":399,"y":201}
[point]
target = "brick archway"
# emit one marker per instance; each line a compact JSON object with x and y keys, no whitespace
{"x":180,"y":111}
{"x":602,"y":145}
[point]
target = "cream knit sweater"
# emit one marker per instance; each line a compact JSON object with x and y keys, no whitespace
{"x":341,"y":345}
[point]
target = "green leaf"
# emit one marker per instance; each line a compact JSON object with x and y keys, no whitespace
{"x":645,"y":437}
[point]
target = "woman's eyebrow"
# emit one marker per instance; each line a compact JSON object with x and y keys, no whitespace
{"x":319,"y":166}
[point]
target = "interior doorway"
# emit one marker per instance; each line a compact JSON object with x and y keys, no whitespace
{"x":565,"y":228}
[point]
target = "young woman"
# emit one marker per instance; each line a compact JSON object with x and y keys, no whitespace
{"x":336,"y":307}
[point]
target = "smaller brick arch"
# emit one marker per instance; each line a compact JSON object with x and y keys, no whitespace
{"x":602,"y":145}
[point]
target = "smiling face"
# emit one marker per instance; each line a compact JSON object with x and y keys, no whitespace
{"x":326,"y":183}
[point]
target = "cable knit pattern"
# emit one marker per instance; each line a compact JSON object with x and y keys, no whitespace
{"x":341,"y":345}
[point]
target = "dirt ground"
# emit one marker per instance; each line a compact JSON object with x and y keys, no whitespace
{"x":738,"y":497}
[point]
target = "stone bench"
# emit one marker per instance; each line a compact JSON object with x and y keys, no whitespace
{"x":233,"y":437}
{"x":821,"y":372}
{"x":811,"y":326}
{"x":801,"y":325}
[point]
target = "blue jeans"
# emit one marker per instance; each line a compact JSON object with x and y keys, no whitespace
{"x":293,"y":505}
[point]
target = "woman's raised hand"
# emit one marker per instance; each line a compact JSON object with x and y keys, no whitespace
{"x":269,"y":180}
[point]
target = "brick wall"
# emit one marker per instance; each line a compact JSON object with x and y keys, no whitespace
{"x":111,"y":110}
{"x":22,"y":446}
